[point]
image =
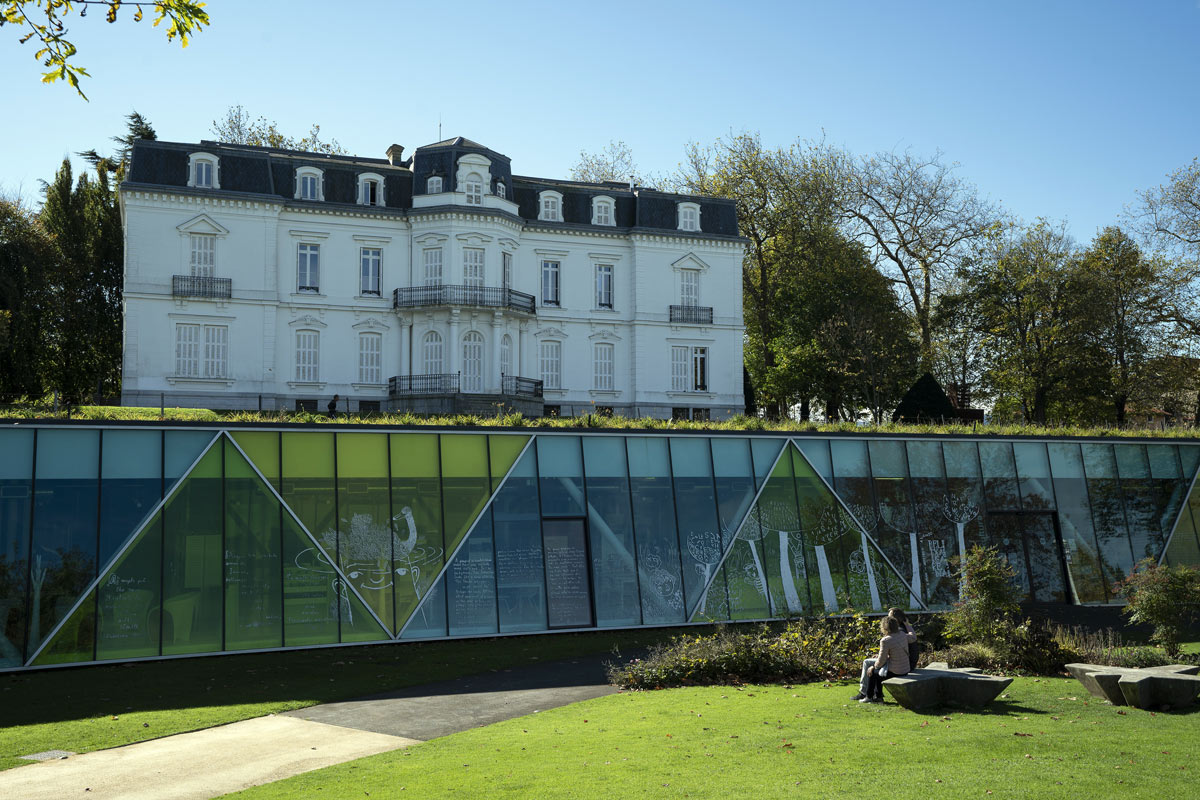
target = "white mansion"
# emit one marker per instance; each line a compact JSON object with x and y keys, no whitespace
{"x":263,"y":278}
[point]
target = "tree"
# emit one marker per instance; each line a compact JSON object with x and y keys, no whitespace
{"x":27,"y":257}
{"x":136,"y":127}
{"x":613,"y":163}
{"x":45,"y":21}
{"x":989,"y":596}
{"x":1164,"y":597}
{"x":918,"y":219}
{"x":237,"y":127}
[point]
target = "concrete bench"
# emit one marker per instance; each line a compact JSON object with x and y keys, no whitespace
{"x":938,"y":685}
{"x":1172,"y":686}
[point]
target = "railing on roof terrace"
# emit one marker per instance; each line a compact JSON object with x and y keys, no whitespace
{"x":520,"y":387}
{"x":197,"y":286}
{"x":445,"y":383}
{"x":701,"y":315}
{"x":486,"y":296}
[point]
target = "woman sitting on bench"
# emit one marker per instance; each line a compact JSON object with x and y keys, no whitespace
{"x":892,"y":661}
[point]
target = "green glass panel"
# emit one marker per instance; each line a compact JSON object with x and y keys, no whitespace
{"x":781,"y":542}
{"x":357,"y":623}
{"x":366,"y":535}
{"x":180,"y":451}
{"x":466,"y":484}
{"x":310,"y":608}
{"x":253,"y":567}
{"x":192,"y":574}
{"x":503,"y":451}
{"x":73,"y":643}
{"x":262,"y":448}
{"x":129,"y":598}
{"x":417,"y":518}
{"x":1184,"y":548}
{"x":308,"y":484}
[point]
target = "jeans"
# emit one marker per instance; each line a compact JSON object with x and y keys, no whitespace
{"x":871,"y":683}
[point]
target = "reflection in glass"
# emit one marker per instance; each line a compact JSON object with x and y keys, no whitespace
{"x":1108,"y":512}
{"x":560,"y":466}
{"x":853,"y":484}
{"x":253,"y":572}
{"x":129,"y":598}
{"x":192,"y":565}
{"x":1143,"y":505}
{"x":900,"y":530}
{"x":130,"y":486}
{"x":16,"y":473}
{"x":696,"y":510}
{"x":520,"y":577}
{"x":610,"y":526}
{"x":471,"y":582}
{"x":416,"y":521}
{"x":654,"y":525}
{"x":1075,"y":520}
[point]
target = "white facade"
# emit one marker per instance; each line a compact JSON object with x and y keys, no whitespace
{"x":243,"y":299}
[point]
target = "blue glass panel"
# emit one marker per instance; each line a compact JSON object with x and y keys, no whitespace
{"x":16,"y":471}
{"x":1075,"y":521}
{"x":766,"y":451}
{"x":654,"y":525}
{"x":610,"y":525}
{"x":696,"y":511}
{"x":64,"y":526}
{"x":131,"y":485}
{"x":181,"y":450}
{"x":1033,"y":471}
{"x":735,"y":483}
{"x":1108,"y":512}
{"x":520,"y":573}
{"x":936,"y":531}
{"x":899,"y":529}
{"x":816,"y":451}
{"x":964,"y":494}
{"x":853,"y":484}
{"x":1144,"y":501}
{"x":568,"y":587}
{"x":471,"y":582}
{"x":560,"y":467}
{"x":429,"y":620}
{"x":1189,"y":457}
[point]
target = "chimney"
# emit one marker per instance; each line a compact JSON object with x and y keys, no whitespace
{"x":631,"y":183}
{"x":395,"y":155}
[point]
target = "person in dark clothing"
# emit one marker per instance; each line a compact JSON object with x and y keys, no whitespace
{"x":333,"y":406}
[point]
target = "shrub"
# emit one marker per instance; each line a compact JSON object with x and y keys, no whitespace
{"x":805,"y":650}
{"x":971,"y":654}
{"x":1164,"y":597}
{"x":989,"y":597}
{"x":1033,"y":647}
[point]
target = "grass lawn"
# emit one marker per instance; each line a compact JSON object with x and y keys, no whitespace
{"x":1046,"y":738}
{"x":91,"y":708}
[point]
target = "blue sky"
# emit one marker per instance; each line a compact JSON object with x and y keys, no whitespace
{"x":1056,"y":109}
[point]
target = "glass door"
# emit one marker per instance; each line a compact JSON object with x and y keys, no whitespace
{"x":568,"y":579}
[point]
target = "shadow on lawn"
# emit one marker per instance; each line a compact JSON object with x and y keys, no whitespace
{"x":305,"y":677}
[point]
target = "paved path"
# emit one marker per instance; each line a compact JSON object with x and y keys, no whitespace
{"x":216,"y":761}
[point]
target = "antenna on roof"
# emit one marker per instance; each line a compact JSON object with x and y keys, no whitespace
{"x":439,"y":138}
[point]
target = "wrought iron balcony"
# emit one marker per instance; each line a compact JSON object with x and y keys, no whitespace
{"x":196,"y":286}
{"x":446,"y":383}
{"x":485,"y":296}
{"x":700,"y":315}
{"x":520,"y":387}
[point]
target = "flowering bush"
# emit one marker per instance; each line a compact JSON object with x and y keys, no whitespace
{"x":1166,"y":597}
{"x":806,"y":650}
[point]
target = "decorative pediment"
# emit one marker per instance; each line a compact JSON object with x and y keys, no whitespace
{"x":553,"y":333}
{"x":307,"y":321}
{"x":605,"y":335}
{"x":509,"y":244}
{"x":690,"y":261}
{"x":473,"y":238}
{"x":370,"y":324}
{"x":428,"y":239}
{"x":202,"y":223}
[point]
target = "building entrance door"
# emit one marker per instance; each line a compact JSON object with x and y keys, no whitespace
{"x":568,"y":574}
{"x":1032,"y":542}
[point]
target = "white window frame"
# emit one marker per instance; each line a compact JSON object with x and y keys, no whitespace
{"x":308,"y":260}
{"x":506,"y":265}
{"x":370,"y":358}
{"x":603,"y":211}
{"x":364,"y":181}
{"x":473,"y":189}
{"x":432,"y":356}
{"x":317,"y":177}
{"x":433,"y":275}
{"x":603,"y":360}
{"x":473,"y":267}
{"x":506,"y":356}
{"x":550,"y":206}
{"x":204,"y":255}
{"x":216,"y":352}
{"x":604,"y":286}
{"x":501,"y":190}
{"x":700,"y":370}
{"x":552,"y":282}
{"x":689,"y":287}
{"x":308,"y":356}
{"x":472,"y":362}
{"x":434,"y":184}
{"x":212,"y":180}
{"x":550,"y":364}
{"x":370,"y":271}
{"x":688,"y":216}
{"x":187,"y":349}
{"x":679,"y":367}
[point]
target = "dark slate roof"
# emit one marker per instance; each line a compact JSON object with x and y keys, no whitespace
{"x":270,"y":172}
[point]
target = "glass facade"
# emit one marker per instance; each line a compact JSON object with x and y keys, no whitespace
{"x":141,"y":542}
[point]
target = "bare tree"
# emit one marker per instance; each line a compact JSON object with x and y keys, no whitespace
{"x":1168,"y":219}
{"x":918,"y":219}
{"x":237,"y":127}
{"x":613,"y":163}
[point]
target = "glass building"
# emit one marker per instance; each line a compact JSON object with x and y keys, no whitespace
{"x":141,"y":541}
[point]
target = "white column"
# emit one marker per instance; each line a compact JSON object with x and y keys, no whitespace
{"x":522,"y":366}
{"x":454,"y":354}
{"x":493,"y":370}
{"x":400,"y":357}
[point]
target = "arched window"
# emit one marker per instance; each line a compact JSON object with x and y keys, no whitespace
{"x":472,"y":362}
{"x":370,"y":189}
{"x":602,"y":211}
{"x":501,"y":192}
{"x":309,"y":184}
{"x":550,"y":206}
{"x":433,"y":185}
{"x":506,"y":367}
{"x":431,"y":354}
{"x":689,"y":216}
{"x":473,"y":187}
{"x":203,"y":172}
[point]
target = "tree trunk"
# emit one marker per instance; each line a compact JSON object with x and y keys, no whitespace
{"x":1119,"y":406}
{"x":805,"y":411}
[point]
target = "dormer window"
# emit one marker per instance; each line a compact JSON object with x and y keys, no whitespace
{"x":202,"y":171}
{"x":309,"y":184}
{"x":370,"y":189}
{"x":689,"y":216}
{"x":501,"y":192}
{"x":550,"y":206}
{"x":473,"y":188}
{"x":602,"y":211}
{"x":433,"y":185}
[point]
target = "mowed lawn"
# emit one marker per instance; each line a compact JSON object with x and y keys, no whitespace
{"x":1046,"y":738}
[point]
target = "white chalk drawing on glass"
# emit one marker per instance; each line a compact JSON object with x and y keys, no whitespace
{"x":868,"y":521}
{"x":900,"y":517}
{"x":825,"y":527}
{"x":960,"y":508}
{"x":665,"y":584}
{"x":705,"y":548}
{"x":366,"y":548}
{"x":754,"y":576}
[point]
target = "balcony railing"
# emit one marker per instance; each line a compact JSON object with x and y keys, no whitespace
{"x":195,"y":286}
{"x":520,"y":387}
{"x":700,"y":315}
{"x":446,"y":383}
{"x":486,"y":296}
